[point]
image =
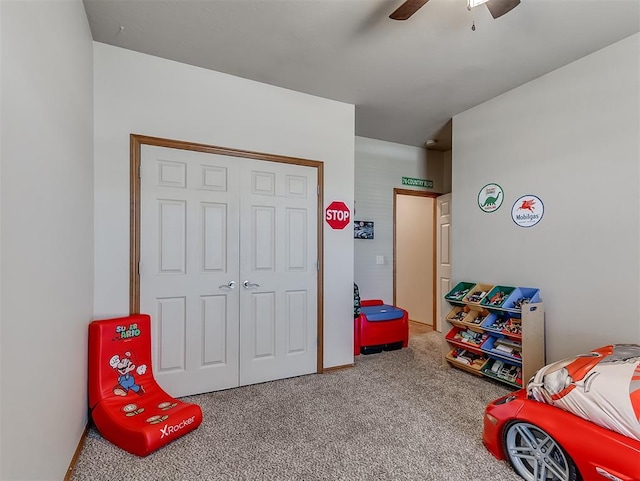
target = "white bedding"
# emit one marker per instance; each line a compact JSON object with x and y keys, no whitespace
{"x":602,"y":386}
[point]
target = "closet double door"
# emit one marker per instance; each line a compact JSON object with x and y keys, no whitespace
{"x":228,"y":268}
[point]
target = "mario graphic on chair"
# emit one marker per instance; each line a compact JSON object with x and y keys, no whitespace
{"x":126,"y":380}
{"x":126,"y":404}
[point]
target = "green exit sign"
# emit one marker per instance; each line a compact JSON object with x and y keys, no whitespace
{"x":413,"y":182}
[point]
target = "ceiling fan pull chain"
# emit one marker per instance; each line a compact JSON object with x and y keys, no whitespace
{"x":473,"y":17}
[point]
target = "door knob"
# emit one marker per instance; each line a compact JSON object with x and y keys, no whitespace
{"x":249,"y":284}
{"x":231,"y":285}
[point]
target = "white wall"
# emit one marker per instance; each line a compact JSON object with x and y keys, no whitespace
{"x":571,"y":138}
{"x":446,"y":171}
{"x":46,"y":234}
{"x":1,"y":130}
{"x":380,"y":167}
{"x":141,"y":94}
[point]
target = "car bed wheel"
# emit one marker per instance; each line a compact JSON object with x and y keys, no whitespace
{"x":535,"y":455}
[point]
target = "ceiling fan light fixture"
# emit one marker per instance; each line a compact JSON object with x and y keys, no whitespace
{"x":475,"y":3}
{"x":498,"y":8}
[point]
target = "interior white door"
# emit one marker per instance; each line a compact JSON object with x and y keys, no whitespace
{"x":278,"y":272}
{"x":189,"y":271}
{"x":443,"y":254}
{"x":204,"y":218}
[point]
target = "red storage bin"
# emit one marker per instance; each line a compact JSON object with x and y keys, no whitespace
{"x":380,"y":327}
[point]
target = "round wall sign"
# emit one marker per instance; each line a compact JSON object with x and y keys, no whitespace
{"x":527,"y":211}
{"x":490,"y":197}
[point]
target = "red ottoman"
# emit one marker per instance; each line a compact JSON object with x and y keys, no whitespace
{"x":380,"y":327}
{"x":126,"y":404}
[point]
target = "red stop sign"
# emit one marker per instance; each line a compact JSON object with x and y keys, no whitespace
{"x":337,"y":214}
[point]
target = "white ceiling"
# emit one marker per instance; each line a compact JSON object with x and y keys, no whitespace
{"x":406,"y":78}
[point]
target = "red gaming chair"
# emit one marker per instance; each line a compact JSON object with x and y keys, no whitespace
{"x":126,"y":404}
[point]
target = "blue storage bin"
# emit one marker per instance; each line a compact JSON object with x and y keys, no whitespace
{"x":489,"y":347}
{"x":489,"y":321}
{"x":503,"y":324}
{"x":530,"y":293}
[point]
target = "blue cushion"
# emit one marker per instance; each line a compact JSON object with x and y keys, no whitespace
{"x":382,"y":313}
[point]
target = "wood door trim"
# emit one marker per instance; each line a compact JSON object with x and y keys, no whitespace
{"x":417,"y":193}
{"x":135,"y":154}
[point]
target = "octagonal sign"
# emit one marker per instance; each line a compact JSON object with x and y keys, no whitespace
{"x":337,"y":215}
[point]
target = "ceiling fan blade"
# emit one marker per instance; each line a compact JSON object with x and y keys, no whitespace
{"x":407,"y":9}
{"x":500,"y":7}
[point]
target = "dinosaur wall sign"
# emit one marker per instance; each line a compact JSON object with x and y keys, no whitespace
{"x":490,"y":198}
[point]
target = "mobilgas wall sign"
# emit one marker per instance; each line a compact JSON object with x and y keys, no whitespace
{"x":527,"y":211}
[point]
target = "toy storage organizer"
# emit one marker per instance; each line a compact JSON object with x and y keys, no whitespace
{"x":496,"y":331}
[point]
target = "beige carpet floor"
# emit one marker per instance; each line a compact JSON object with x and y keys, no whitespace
{"x":396,"y":415}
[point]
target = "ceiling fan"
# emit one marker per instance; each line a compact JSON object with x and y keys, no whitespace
{"x":496,"y":7}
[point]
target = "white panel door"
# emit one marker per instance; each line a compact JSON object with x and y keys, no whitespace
{"x":203,"y":218}
{"x":189,"y":228}
{"x":278,"y":272}
{"x":443,"y":254}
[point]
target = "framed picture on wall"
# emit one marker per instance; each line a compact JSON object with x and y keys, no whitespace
{"x":362,"y":229}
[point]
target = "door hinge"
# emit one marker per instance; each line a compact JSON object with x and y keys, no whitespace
{"x":317,"y":190}
{"x":139,"y":171}
{"x":138,"y":268}
{"x":317,"y":265}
